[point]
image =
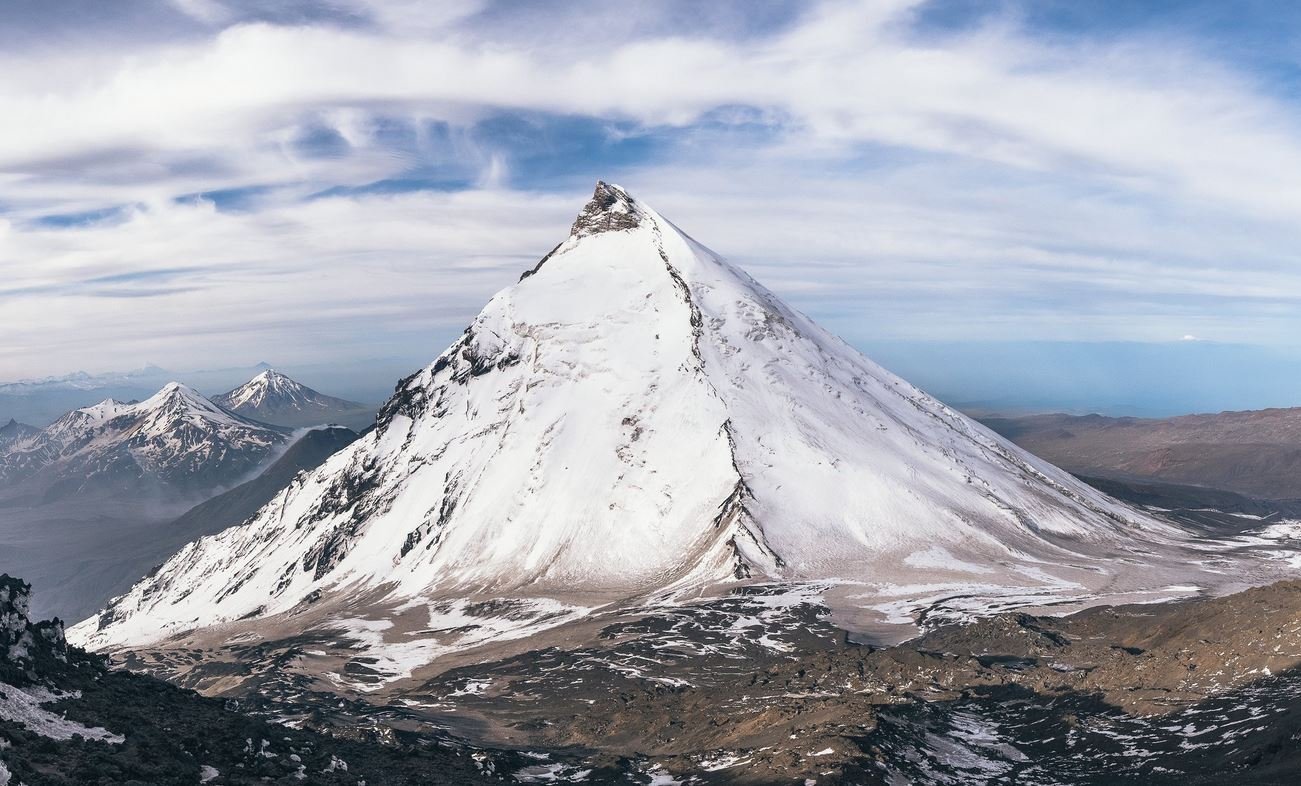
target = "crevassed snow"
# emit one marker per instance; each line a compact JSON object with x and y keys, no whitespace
{"x":638,"y":414}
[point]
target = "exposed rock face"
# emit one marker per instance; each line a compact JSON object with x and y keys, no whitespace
{"x":14,"y":432}
{"x":26,"y":648}
{"x":67,"y":720}
{"x":610,"y":209}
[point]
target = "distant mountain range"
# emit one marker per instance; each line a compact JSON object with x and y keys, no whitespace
{"x":1256,"y":453}
{"x":176,"y":442}
{"x":80,"y":380}
{"x":39,"y":402}
{"x":91,"y":503}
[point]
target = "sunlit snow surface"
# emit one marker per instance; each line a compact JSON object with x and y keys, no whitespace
{"x":637,"y":420}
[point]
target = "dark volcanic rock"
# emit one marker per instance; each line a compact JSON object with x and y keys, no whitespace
{"x":1205,"y":691}
{"x":609,"y":210}
{"x":26,"y":648}
{"x":152,"y":733}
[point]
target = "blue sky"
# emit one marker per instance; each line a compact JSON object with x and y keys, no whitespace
{"x":218,"y":182}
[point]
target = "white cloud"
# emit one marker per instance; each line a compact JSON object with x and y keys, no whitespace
{"x":331,"y":278}
{"x":980,"y":185}
{"x":1162,"y":122}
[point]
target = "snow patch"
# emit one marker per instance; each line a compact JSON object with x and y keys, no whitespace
{"x":24,"y":707}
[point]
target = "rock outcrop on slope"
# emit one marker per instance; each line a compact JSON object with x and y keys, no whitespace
{"x":27,"y":649}
{"x":13,"y":431}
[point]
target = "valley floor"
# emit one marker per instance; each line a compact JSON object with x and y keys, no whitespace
{"x":760,"y":687}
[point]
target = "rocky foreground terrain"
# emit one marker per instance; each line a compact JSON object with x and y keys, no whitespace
{"x":66,"y":718}
{"x":1190,"y":692}
{"x":761,"y":688}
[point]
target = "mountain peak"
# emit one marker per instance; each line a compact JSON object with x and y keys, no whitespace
{"x":273,"y":397}
{"x":173,"y":391}
{"x":270,"y":375}
{"x":175,"y":440}
{"x":610,"y":209}
{"x":642,"y":417}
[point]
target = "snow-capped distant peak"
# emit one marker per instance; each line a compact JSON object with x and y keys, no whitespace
{"x":274,"y":397}
{"x":269,"y":386}
{"x":176,"y":437}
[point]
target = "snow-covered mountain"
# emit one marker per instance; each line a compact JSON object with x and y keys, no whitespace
{"x":638,"y":415}
{"x":272,"y":397}
{"x":175,"y":441}
{"x":13,"y":431}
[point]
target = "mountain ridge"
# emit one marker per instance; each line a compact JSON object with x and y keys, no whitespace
{"x":175,"y":440}
{"x":13,"y":432}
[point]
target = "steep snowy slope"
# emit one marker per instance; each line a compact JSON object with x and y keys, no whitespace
{"x":272,"y":397}
{"x":176,"y":440}
{"x":635,"y":415}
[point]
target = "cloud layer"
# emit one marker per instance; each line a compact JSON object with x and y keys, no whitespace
{"x":345,"y":178}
